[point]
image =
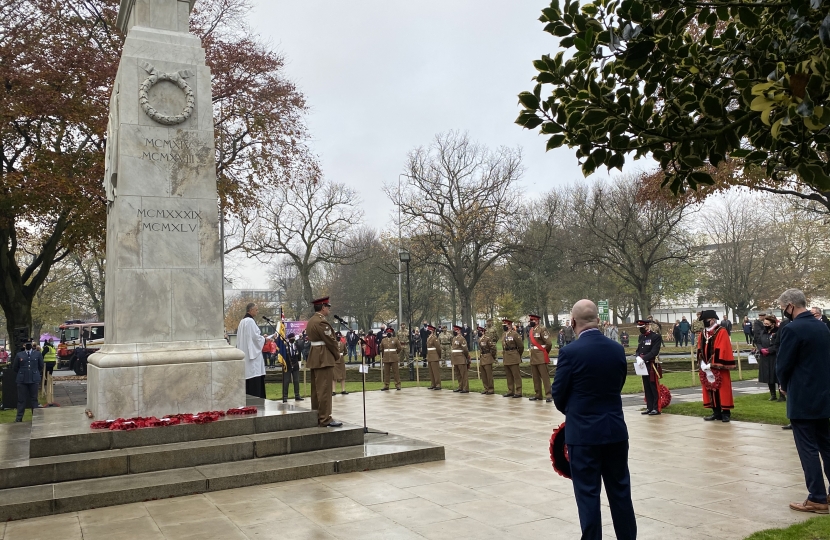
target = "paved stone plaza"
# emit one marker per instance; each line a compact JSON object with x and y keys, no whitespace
{"x":691,"y":480}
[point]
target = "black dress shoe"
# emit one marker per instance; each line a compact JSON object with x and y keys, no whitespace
{"x":782,"y":397}
{"x":518,"y":396}
{"x":437,"y":388}
{"x":549,"y":400}
{"x":507,"y":395}
{"x":485,"y":393}
{"x":645,"y":412}
{"x":726,"y":418}
{"x":534,"y":398}
{"x":773,"y":398}
{"x":285,"y":400}
{"x":18,"y":419}
{"x":712,"y":417}
{"x":457,"y":390}
{"x":384,"y":389}
{"x":788,"y":426}
{"x":431,"y":388}
{"x":334,"y":423}
{"x":398,"y":388}
{"x":653,"y":413}
{"x":344,"y":393}
{"x":334,"y":394}
{"x":298,"y":398}
{"x":464,"y":392}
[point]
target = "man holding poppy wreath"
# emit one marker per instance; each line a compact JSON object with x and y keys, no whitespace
{"x":715,"y":360}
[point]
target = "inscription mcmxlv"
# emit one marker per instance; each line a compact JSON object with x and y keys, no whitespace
{"x":169,"y":150}
{"x":157,"y":226}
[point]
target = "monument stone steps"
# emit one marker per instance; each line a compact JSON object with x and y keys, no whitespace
{"x":66,"y":430}
{"x":78,"y":468}
{"x":377,"y":452}
{"x":142,"y":459}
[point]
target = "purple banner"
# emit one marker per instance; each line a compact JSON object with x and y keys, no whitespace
{"x":295,"y":327}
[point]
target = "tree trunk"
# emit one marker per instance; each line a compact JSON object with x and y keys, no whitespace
{"x":636,"y":312}
{"x":18,"y":315}
{"x":454,"y":305}
{"x":308,"y":296}
{"x":466,"y":307}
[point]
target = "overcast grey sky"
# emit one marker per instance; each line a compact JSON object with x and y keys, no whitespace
{"x":385,"y":76}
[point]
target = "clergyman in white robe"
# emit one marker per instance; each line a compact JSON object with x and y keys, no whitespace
{"x":250,"y":341}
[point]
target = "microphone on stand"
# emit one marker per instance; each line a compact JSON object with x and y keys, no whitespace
{"x":267,"y":319}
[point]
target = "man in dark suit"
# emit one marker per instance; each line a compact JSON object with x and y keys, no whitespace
{"x":589,"y":378}
{"x":803,"y":369}
{"x":291,"y":372}
{"x":28,"y":364}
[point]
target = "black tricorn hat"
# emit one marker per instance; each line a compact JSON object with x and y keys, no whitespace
{"x":708,"y":314}
{"x":559,"y":452}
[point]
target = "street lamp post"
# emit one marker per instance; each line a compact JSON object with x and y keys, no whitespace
{"x":405,"y":257}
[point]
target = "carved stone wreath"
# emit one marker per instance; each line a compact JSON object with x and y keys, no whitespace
{"x":176,"y":78}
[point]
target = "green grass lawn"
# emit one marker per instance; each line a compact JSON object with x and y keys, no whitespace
{"x":817,"y":528}
{"x":748,"y":408}
{"x":633,"y":384}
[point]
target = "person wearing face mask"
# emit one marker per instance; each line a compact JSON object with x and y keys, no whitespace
{"x":648,"y":352}
{"x":540,"y":346}
{"x":28,"y":364}
{"x":803,"y":369}
{"x":487,"y":351}
{"x":433,"y":356}
{"x":512,"y":349}
{"x":766,"y":348}
{"x":460,"y":359}
{"x":715,"y":359}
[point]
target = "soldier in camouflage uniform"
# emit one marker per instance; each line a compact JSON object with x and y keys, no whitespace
{"x":446,"y":344}
{"x":403,"y":337}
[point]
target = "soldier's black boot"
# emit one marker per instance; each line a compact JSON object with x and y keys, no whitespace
{"x":727,"y":416}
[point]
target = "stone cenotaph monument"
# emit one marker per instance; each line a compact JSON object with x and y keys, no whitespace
{"x":164,"y":352}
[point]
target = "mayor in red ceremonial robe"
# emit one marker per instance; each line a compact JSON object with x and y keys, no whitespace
{"x":715,"y":360}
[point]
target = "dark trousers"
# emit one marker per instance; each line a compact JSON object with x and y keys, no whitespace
{"x":291,"y":374}
{"x":592,"y":466}
{"x":26,"y":398}
{"x":652,"y":396}
{"x":684,"y":340}
{"x":255,"y":386}
{"x":812,"y":439}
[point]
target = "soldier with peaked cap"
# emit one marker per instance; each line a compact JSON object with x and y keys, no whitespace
{"x":512,"y":348}
{"x":648,"y":349}
{"x":323,"y":350}
{"x":460,"y":359}
{"x":715,"y":357}
{"x":433,"y":357}
{"x":540,"y":346}
{"x":486,"y":359}
{"x":391,"y":349}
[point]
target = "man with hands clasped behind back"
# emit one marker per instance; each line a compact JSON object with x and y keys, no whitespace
{"x":590,"y":375}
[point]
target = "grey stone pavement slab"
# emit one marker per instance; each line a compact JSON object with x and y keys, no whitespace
{"x":690,"y":480}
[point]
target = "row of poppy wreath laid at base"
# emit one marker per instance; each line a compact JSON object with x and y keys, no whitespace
{"x":129,"y":424}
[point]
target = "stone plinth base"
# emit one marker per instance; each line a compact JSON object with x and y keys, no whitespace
{"x":127,"y":380}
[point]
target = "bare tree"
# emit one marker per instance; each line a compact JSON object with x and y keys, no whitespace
{"x":630,"y":237}
{"x":367,"y":288}
{"x":90,"y":274}
{"x":742,"y":255}
{"x":307,"y":222}
{"x":460,"y":208}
